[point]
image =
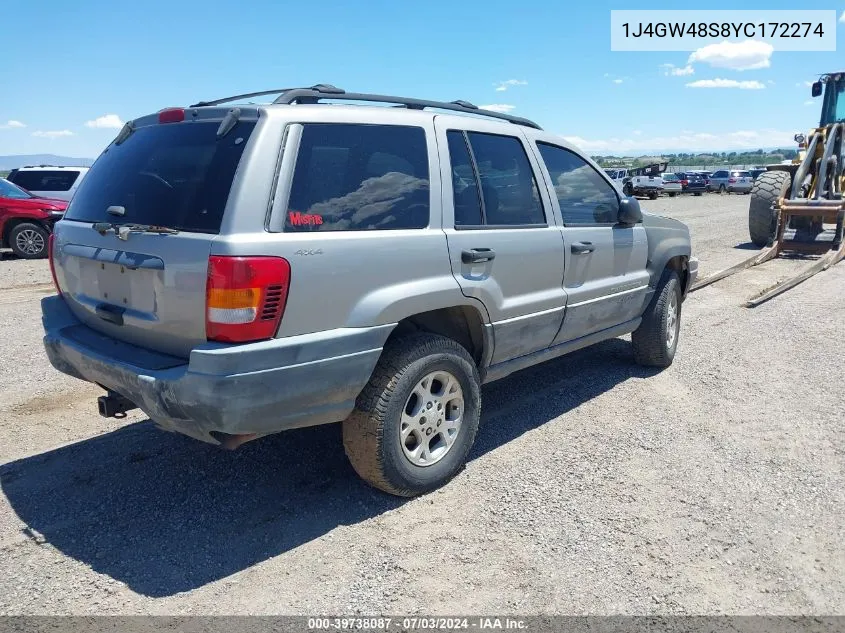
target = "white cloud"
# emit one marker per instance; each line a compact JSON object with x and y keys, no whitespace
{"x":747,"y":55}
{"x":770,"y":82}
{"x":12,"y":124}
{"x":676,"y":71}
{"x":726,"y":83}
{"x":804,"y":84}
{"x":842,"y":17}
{"x":498,"y":107}
{"x":107,"y":121}
{"x":637,"y":132}
{"x":809,"y":102}
{"x":52,"y":133}
{"x":617,"y":81}
{"x":690,"y":141}
{"x":504,"y":85}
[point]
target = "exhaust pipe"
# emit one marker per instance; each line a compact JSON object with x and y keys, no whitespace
{"x":231,"y":442}
{"x":114,"y":405}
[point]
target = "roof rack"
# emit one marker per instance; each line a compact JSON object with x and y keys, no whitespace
{"x":318,"y":92}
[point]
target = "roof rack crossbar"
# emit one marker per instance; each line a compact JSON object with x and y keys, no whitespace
{"x":316,"y":93}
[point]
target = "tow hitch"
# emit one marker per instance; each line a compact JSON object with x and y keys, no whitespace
{"x":114,"y":405}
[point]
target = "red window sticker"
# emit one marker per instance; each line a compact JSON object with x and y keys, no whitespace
{"x":298,"y":218}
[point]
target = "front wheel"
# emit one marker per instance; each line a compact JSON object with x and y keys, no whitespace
{"x":656,"y":339}
{"x":415,"y":421}
{"x":29,"y":241}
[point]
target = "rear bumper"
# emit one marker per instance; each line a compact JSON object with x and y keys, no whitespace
{"x":256,"y":388}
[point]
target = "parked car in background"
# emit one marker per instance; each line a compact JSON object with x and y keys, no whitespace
{"x":755,"y":173}
{"x":26,"y":220}
{"x":692,"y":182}
{"x":230,"y":295}
{"x":672,"y":185}
{"x":48,"y":181}
{"x":731,"y":181}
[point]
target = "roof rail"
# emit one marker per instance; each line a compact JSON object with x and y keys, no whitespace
{"x":326,"y":91}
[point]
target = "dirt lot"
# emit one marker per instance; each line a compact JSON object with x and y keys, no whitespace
{"x":595,"y":486}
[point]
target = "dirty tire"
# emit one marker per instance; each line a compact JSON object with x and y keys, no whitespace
{"x":628,"y":190}
{"x":652,"y":196}
{"x":762,"y":216}
{"x":371,"y":434}
{"x":672,"y":195}
{"x":650,"y":341}
{"x":29,"y":241}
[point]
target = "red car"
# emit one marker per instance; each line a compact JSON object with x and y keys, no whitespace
{"x":26,"y":220}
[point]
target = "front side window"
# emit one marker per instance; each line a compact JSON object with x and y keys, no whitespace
{"x":584,"y":196}
{"x":355,"y":177}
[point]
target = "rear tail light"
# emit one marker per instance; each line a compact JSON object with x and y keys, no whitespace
{"x":50,"y":241}
{"x":245,"y":297}
{"x":685,"y":182}
{"x":731,"y":179}
{"x":171,"y":115}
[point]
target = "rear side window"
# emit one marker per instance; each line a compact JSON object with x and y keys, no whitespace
{"x":43,"y":180}
{"x":464,"y":185}
{"x":176,"y":175}
{"x":353,"y":177}
{"x":508,"y":187}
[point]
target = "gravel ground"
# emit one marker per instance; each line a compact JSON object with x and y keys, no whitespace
{"x":595,"y":487}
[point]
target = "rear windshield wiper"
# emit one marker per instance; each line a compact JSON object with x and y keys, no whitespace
{"x":122,"y":231}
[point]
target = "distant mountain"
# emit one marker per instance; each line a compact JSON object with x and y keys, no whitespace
{"x":11,"y":162}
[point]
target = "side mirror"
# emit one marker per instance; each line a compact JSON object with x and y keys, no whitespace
{"x":817,"y":88}
{"x":629,"y":212}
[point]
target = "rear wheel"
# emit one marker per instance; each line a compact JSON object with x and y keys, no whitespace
{"x":415,"y":421}
{"x":652,"y":195}
{"x":29,"y":241}
{"x":656,"y":339}
{"x":762,"y":212}
{"x":628,"y":190}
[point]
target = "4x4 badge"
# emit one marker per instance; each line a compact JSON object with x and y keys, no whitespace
{"x":309,"y":251}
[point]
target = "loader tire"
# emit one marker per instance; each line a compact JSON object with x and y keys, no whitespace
{"x":762,"y":214}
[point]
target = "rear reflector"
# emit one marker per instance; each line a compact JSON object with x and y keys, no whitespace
{"x":171,"y":115}
{"x":245,"y":297}
{"x":50,"y":241}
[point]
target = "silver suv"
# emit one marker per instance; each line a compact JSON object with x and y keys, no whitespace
{"x":48,"y":181}
{"x":239,"y":271}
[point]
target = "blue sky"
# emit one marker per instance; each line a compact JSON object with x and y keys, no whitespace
{"x":73,"y":71}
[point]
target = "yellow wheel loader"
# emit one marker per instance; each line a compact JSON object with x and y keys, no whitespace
{"x":798,"y":207}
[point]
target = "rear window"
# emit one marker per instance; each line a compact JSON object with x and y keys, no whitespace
{"x":740,"y":174}
{"x":355,"y":177}
{"x":176,"y":175}
{"x":43,"y":180}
